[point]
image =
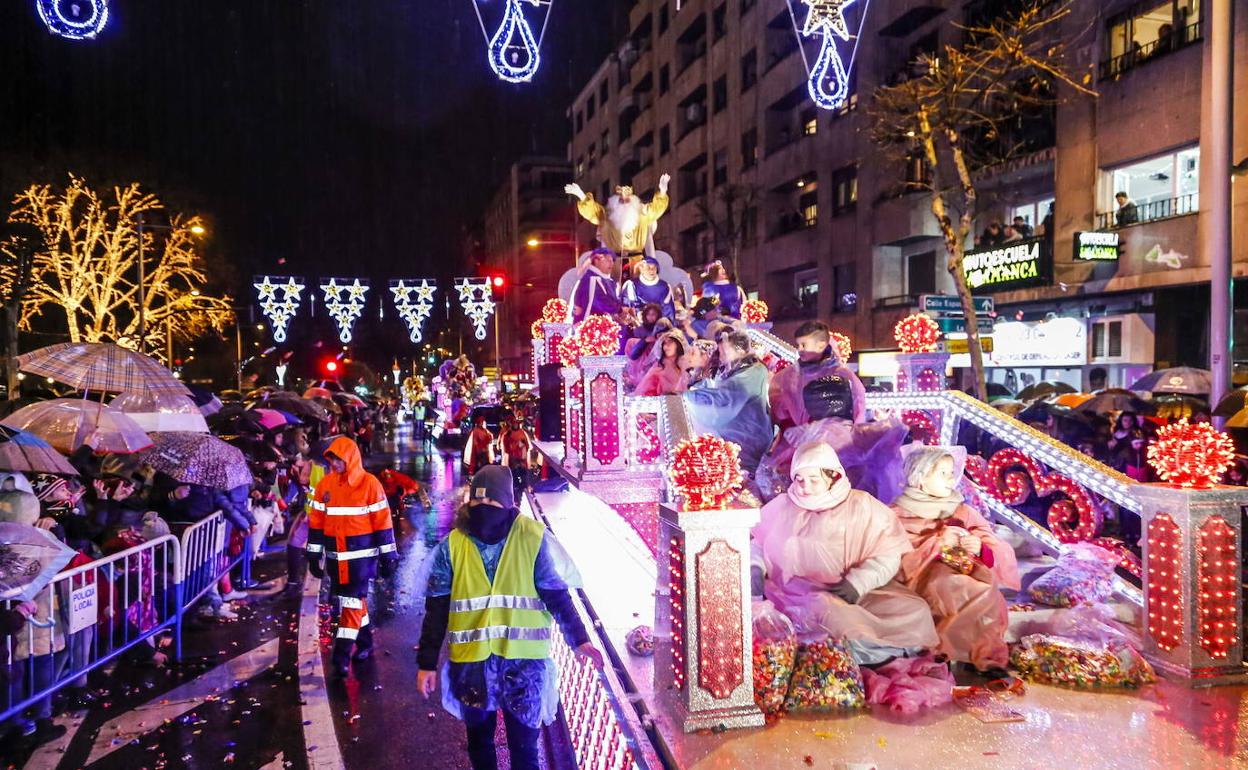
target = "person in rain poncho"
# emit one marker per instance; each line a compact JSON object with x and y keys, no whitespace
{"x":970,"y":612}
{"x":827,"y":555}
{"x":495,"y":583}
{"x":733,"y":405}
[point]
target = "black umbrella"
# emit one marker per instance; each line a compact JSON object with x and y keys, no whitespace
{"x":1232,"y":403}
{"x":1115,"y":400}
{"x":1044,"y":389}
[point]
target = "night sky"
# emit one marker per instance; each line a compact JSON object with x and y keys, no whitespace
{"x":350,"y":138}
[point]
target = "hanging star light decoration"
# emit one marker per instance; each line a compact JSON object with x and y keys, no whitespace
{"x":345,"y":303}
{"x":514,"y":51}
{"x":280,"y":297}
{"x":73,"y":19}
{"x":414,"y":311}
{"x":477,"y":300}
{"x":829,"y":76}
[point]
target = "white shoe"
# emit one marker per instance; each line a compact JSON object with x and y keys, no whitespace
{"x":225,"y":612}
{"x":206,"y":611}
{"x":234,"y":596}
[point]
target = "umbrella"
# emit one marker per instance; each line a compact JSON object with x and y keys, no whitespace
{"x":161,"y":412}
{"x":1070,"y":400}
{"x":29,"y":559}
{"x":68,"y":423}
{"x":1043,"y":389}
{"x":317,"y":393}
{"x":206,"y":400}
{"x":28,"y":453}
{"x":350,"y":399}
{"x":98,"y":366}
{"x":1172,"y":406}
{"x":235,"y":418}
{"x":1180,"y":379}
{"x":332,"y":386}
{"x":1232,"y":403}
{"x":1115,"y":400}
{"x":300,"y":407}
{"x":272,"y":419}
{"x":328,"y":404}
{"x":198,"y":458}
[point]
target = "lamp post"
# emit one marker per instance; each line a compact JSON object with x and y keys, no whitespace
{"x":140,"y":225}
{"x":1218,"y":116}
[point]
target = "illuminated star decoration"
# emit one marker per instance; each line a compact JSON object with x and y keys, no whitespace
{"x":829,"y":77}
{"x":414,"y":312}
{"x":477,"y":299}
{"x":514,"y":52}
{"x":73,"y":19}
{"x":280,"y":297}
{"x":345,"y":303}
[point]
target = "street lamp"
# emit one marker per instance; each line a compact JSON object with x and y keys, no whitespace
{"x":140,"y":225}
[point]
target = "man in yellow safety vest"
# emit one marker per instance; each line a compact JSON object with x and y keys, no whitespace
{"x":495,"y":584}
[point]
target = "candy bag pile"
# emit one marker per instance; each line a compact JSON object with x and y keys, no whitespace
{"x":775,"y":648}
{"x":825,"y":678}
{"x":1072,"y":663}
{"x":1084,"y":574}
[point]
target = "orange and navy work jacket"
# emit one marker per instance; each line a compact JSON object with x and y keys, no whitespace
{"x":349,"y":519}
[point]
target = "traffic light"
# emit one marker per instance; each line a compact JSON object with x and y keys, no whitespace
{"x":330,"y":368}
{"x":498,"y":286}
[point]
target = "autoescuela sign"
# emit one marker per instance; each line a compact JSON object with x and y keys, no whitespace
{"x":1014,"y":265}
{"x":1096,"y":246}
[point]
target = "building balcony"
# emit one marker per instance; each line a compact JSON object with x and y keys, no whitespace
{"x":1116,"y":66}
{"x":1166,"y":208}
{"x":792,"y":222}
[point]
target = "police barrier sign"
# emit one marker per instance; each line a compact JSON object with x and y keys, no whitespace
{"x":1011,"y":266}
{"x":83,"y":608}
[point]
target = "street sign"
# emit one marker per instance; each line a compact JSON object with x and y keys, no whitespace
{"x":956,"y":325}
{"x":947,"y":303}
{"x":962,"y":345}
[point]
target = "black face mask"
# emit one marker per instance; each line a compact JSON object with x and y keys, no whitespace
{"x":490,"y":523}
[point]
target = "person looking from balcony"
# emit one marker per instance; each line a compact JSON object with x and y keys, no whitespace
{"x":734,"y":404}
{"x":1165,"y":39}
{"x":1128,"y":213}
{"x":716,"y":283}
{"x":1022,"y":228}
{"x":993,"y":235}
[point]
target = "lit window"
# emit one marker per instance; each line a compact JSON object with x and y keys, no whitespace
{"x":1159,"y":187}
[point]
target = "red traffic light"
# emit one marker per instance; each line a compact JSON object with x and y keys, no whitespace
{"x":497,"y":281}
{"x":331,"y":366}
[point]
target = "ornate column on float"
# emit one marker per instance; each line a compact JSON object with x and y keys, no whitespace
{"x":573,"y":416}
{"x":602,"y":383}
{"x":703,"y":666}
{"x":1193,"y":596}
{"x":920,"y":369}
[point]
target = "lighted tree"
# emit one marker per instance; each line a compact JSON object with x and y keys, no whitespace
{"x":971,"y":108}
{"x":85,"y":267}
{"x":17,"y":253}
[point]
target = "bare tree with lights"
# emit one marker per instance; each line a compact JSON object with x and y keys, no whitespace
{"x":968,"y":109}
{"x":727,"y":212}
{"x":17,"y":255}
{"x":86,"y":266}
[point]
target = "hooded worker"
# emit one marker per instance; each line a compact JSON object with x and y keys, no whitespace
{"x":349,"y":523}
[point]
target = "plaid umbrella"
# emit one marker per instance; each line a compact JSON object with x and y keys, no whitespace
{"x":30,"y":454}
{"x":1180,"y":379}
{"x":29,"y":558}
{"x":198,"y":458}
{"x":97,"y":366}
{"x":68,"y":423}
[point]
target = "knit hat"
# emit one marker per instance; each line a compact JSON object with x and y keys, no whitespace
{"x":493,"y":482}
{"x":47,"y":486}
{"x":153,"y":526}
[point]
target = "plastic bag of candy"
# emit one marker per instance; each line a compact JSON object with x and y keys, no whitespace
{"x":825,"y":677}
{"x":1084,"y":574}
{"x":640,"y":641}
{"x":775,"y":646}
{"x":1075,"y":663}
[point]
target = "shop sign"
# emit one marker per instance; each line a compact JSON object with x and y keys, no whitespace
{"x":1011,"y":266}
{"x":944,"y":304}
{"x":961,"y":345}
{"x":1056,"y":342}
{"x":1096,"y":246}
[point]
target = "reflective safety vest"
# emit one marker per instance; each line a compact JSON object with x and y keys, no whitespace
{"x":507,"y":618}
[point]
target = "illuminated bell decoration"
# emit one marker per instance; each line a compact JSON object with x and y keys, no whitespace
{"x":74,"y":19}
{"x":705,"y":471}
{"x":1191,"y":456}
{"x":477,"y":299}
{"x":828,"y":82}
{"x":843,"y":347}
{"x":345,"y":303}
{"x":555,"y":311}
{"x":598,"y":335}
{"x":754,"y":311}
{"x":916,"y":333}
{"x":413,"y":299}
{"x":280,"y":297}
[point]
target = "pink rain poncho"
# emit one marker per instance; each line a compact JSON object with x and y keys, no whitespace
{"x":806,"y":544}
{"x":969,"y":610}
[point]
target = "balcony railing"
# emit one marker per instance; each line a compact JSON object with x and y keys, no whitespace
{"x":1184,"y":37}
{"x":1149,"y":212}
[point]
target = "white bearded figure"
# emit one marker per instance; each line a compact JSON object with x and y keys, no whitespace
{"x":625,"y":224}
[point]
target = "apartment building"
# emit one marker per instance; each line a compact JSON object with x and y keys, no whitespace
{"x":714,"y":93}
{"x":528,"y":235}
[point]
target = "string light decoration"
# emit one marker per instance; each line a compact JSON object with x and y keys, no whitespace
{"x":922,"y":426}
{"x":754,"y":311}
{"x":828,"y":82}
{"x":843,"y":346}
{"x":649,"y":448}
{"x":1011,"y":476}
{"x":1217,"y":573}
{"x":598,"y":335}
{"x":605,"y":416}
{"x":477,"y":299}
{"x":568,"y":351}
{"x":916,"y":333}
{"x":280,"y":297}
{"x":555,"y":311}
{"x":74,"y":19}
{"x":676,"y":592}
{"x":345,"y":303}
{"x":414,"y":310}
{"x":705,"y":471}
{"x":719,"y":619}
{"x":515,"y":53}
{"x":1164,"y":601}
{"x":1191,"y":456}
{"x":536,"y":330}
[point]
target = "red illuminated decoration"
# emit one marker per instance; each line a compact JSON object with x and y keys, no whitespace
{"x":922,"y":427}
{"x":589,"y":711}
{"x":720,"y":669}
{"x":536,"y":330}
{"x":552,"y":348}
{"x":676,"y":588}
{"x":649,"y":448}
{"x":842,"y":345}
{"x":605,"y":414}
{"x":1011,"y":476}
{"x":1217,"y":573}
{"x":930,"y":380}
{"x":1165,"y":587}
{"x":916,"y":334}
{"x":598,"y":335}
{"x":1191,"y":456}
{"x":705,"y":471}
{"x":555,"y":311}
{"x":576,"y":393}
{"x":568,"y":351}
{"x":754,"y":311}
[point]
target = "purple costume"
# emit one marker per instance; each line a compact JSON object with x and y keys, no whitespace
{"x":730,"y":295}
{"x":594,"y":294}
{"x":637,"y":293}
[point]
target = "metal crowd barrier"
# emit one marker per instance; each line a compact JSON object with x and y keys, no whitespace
{"x":91,"y":614}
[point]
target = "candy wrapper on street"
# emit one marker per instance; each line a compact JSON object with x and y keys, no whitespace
{"x":1056,"y":660}
{"x":825,"y":678}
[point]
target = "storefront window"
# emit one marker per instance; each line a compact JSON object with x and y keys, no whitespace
{"x":1164,"y":186}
